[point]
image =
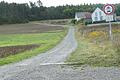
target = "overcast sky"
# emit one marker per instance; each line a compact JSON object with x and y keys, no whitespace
{"x":64,"y":2}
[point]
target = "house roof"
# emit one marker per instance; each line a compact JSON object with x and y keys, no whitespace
{"x":83,"y":14}
{"x":88,"y":15}
{"x":98,"y":9}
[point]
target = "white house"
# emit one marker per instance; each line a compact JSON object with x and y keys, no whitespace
{"x":99,"y":15}
{"x":82,"y":15}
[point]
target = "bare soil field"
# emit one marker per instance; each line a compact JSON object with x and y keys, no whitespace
{"x":58,"y":22}
{"x":27,"y":28}
{"x":12,"y":50}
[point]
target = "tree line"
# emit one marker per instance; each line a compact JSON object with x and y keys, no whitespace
{"x":21,"y":13}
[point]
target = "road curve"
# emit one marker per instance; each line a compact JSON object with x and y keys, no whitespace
{"x":54,"y":56}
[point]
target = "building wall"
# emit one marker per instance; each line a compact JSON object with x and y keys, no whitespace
{"x":77,"y":17}
{"x":98,"y":15}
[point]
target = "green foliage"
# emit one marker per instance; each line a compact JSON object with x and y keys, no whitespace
{"x":25,"y":39}
{"x":13,"y":13}
{"x":73,"y":21}
{"x":84,"y":21}
{"x":88,"y":22}
{"x":81,"y":21}
{"x":99,"y":22}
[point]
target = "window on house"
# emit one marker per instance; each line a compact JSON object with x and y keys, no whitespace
{"x":100,"y":13}
{"x":96,"y":18}
{"x":101,"y":18}
{"x":96,"y":14}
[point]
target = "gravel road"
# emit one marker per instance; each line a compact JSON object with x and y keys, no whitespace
{"x":56,"y":55}
{"x":49,"y":66}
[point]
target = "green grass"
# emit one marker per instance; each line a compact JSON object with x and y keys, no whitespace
{"x":45,"y":40}
{"x":100,"y":55}
{"x":23,"y":39}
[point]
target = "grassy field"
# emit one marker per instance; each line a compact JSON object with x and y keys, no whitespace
{"x":95,"y":49}
{"x":27,"y":40}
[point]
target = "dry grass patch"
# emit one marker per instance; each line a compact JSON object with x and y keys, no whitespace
{"x":95,"y":50}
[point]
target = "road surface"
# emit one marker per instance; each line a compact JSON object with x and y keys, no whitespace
{"x":49,"y":66}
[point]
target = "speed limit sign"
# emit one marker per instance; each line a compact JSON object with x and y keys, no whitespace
{"x":109,"y":9}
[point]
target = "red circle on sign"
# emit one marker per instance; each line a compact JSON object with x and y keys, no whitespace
{"x":113,"y":9}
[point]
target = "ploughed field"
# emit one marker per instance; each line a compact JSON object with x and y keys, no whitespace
{"x":12,"y":50}
{"x":21,"y":41}
{"x":27,"y":28}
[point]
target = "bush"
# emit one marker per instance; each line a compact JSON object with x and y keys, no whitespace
{"x":88,"y":22}
{"x":84,"y":21}
{"x":96,"y":34}
{"x":73,"y":21}
{"x":81,"y":21}
{"x":99,"y":22}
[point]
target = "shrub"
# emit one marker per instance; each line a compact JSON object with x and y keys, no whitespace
{"x":96,"y":34}
{"x":73,"y":21}
{"x":88,"y":22}
{"x":81,"y":21}
{"x":96,"y":37}
{"x":99,"y":22}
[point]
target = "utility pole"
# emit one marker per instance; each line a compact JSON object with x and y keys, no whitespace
{"x":110,"y":30}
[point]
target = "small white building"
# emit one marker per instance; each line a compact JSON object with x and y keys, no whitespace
{"x":99,"y":15}
{"x":82,"y":15}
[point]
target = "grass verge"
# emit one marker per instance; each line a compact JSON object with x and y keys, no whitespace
{"x":97,"y":55}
